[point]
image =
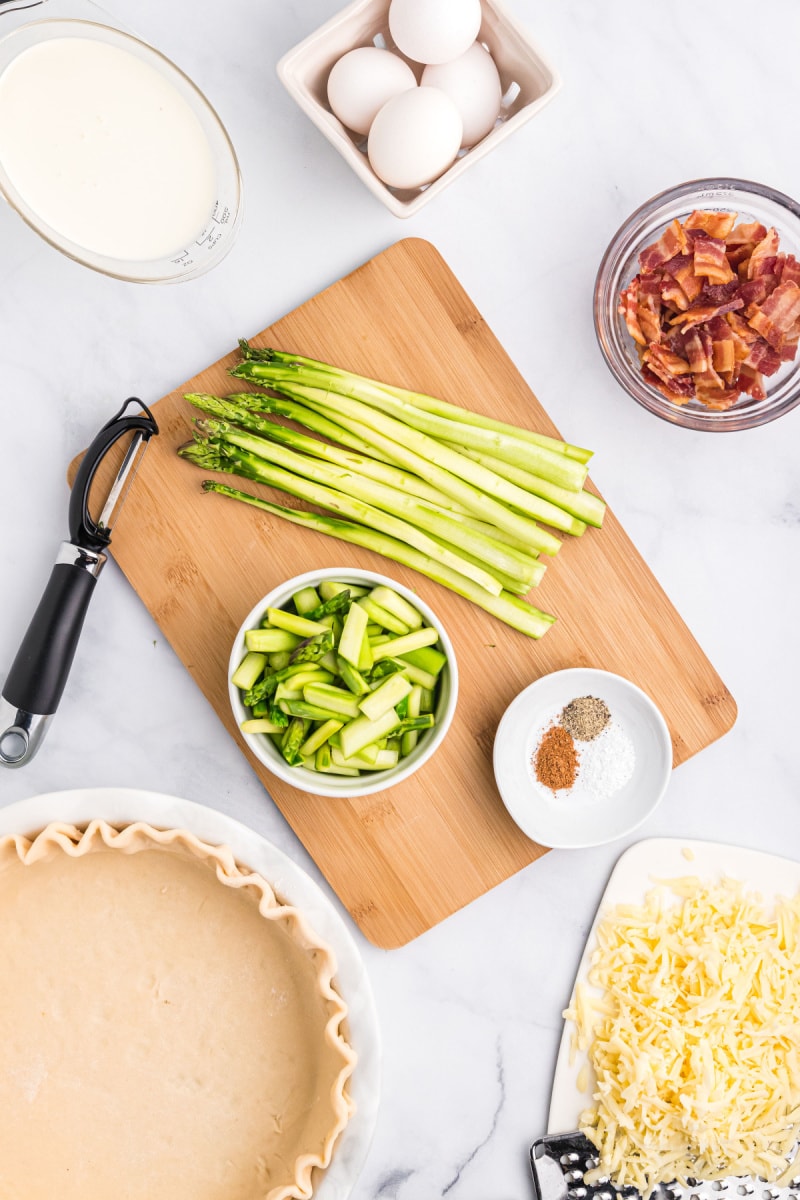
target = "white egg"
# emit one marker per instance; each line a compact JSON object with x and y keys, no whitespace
{"x":414,"y":138}
{"x":362,"y":81}
{"x":473,"y":84}
{"x":434,"y":31}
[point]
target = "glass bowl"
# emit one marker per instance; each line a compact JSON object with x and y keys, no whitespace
{"x":752,"y":202}
{"x":210,"y":243}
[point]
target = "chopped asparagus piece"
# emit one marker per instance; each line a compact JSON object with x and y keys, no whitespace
{"x":313,"y":648}
{"x":338,"y":700}
{"x":310,"y":712}
{"x":417,"y":675}
{"x":338,"y":603}
{"x":248,"y":671}
{"x":382,"y":760}
{"x":353,"y":633}
{"x":305,"y":601}
{"x":260,"y":725}
{"x":362,"y":732}
{"x":401,"y":645}
{"x":280,"y":619}
{"x":264,"y":641}
{"x":383,"y":617}
{"x":385,"y":697}
{"x":428,"y":658}
{"x":353,"y":680}
{"x":293,"y":740}
{"x":394,"y":603}
{"x":319,"y":737}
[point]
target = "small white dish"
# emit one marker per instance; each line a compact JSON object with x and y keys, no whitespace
{"x":365,"y":784}
{"x":561,"y":820}
{"x":528,"y":79}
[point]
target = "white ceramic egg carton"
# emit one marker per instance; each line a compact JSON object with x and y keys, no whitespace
{"x":528,"y":80}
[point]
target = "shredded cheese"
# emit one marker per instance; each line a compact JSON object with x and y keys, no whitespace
{"x":691,"y":1023}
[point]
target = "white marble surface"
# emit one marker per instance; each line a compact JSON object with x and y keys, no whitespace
{"x":470,"y":1012}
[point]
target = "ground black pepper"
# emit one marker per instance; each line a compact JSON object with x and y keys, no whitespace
{"x":585,"y":717}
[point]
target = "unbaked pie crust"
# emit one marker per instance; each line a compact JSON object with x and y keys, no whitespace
{"x":168,"y":1028}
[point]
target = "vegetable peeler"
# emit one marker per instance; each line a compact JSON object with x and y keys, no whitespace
{"x":38,"y":675}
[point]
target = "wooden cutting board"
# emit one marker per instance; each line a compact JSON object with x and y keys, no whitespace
{"x":405,"y":858}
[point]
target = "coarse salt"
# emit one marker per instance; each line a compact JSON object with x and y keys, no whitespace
{"x":610,"y":764}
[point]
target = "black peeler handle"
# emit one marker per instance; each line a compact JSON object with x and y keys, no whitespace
{"x":39,"y":672}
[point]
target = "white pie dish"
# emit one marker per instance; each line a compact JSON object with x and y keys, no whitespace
{"x":120,"y":806}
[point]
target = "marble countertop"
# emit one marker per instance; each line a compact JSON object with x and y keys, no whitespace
{"x":470,"y":1011}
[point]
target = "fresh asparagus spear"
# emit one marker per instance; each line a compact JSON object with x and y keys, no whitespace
{"x":506,"y":607}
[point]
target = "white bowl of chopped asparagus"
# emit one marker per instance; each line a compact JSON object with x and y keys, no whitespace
{"x":343,"y":682}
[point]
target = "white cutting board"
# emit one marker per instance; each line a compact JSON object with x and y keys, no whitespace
{"x":635,"y":873}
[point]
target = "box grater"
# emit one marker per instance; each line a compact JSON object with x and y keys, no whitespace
{"x":559,"y":1163}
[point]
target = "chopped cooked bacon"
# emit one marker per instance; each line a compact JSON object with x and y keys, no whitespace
{"x":746,"y":233}
{"x":680,"y":388}
{"x":775,"y":318}
{"x":719,"y":328}
{"x":699,"y":314}
{"x":720,"y":293}
{"x":723,"y":356}
{"x":708,"y":381}
{"x":648,"y":313}
{"x":690,"y":283}
{"x":663,"y":363}
{"x":742,"y":241}
{"x":671,"y":242}
{"x":679,"y":262}
{"x":790,"y":269}
{"x":696,"y":352}
{"x":715,"y":224}
{"x":764,"y":250}
{"x":716,"y":399}
{"x":673,"y":296}
{"x":629,"y":301}
{"x":790,"y":346}
{"x":710,"y":260}
{"x":714,"y":309}
{"x":755,"y":291}
{"x":741,"y":328}
{"x":763,"y":357}
{"x":753,"y":383}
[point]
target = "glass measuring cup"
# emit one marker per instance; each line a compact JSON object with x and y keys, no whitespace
{"x":209,"y":244}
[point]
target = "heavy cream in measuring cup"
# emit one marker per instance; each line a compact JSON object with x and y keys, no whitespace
{"x":104,"y":149}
